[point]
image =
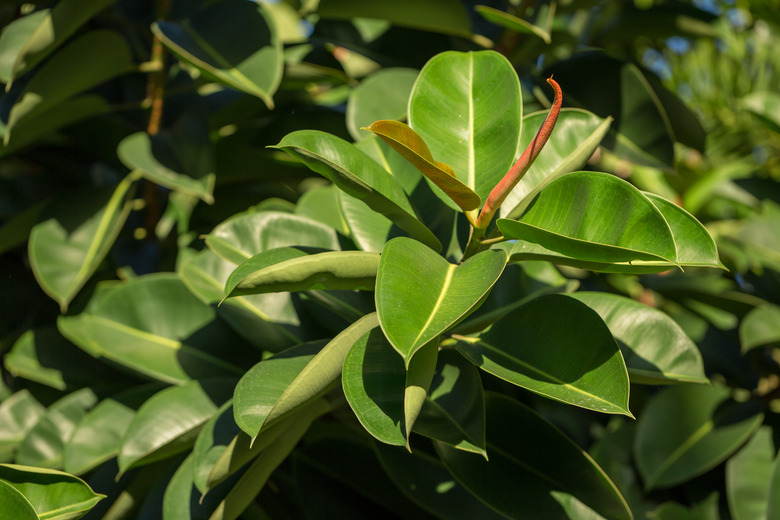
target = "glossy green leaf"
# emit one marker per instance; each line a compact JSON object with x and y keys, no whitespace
{"x":99,"y":55}
{"x":264,"y":384}
{"x":322,"y":205}
{"x":467,"y":108}
{"x":358,"y":175}
{"x":410,"y":145}
{"x":419,"y":375}
{"x":749,"y":482}
{"x":97,"y":436}
{"x":446,"y":16}
{"x":519,"y":482}
{"x":393,"y":162}
{"x":369,"y":230}
{"x":269,"y":321}
{"x":454,"y":411}
{"x":154,"y":326}
{"x":252,"y":64}
{"x":168,"y":422}
{"x":213,"y":440}
{"x":512,"y":22}
{"x":374,"y":379}
{"x":15,"y":37}
{"x":559,"y":348}
{"x":427,"y":482}
{"x":341,"y":270}
{"x":86,"y":231}
{"x":44,"y":444}
{"x":655,"y":348}
{"x":760,"y":327}
{"x":419,"y":294}
{"x":595,"y":217}
{"x":15,"y":504}
{"x":181,"y":160}
{"x":239,"y":238}
{"x":53,"y":495}
{"x":576,"y":137}
{"x":18,"y":414}
{"x":382,"y":95}
{"x":686,"y":430}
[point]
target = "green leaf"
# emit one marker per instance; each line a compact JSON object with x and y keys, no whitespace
{"x":262,"y":387}
{"x":14,"y":503}
{"x":410,"y":145}
{"x":369,"y":230}
{"x":765,"y":105}
{"x":445,"y":16}
{"x":760,"y":327}
{"x":168,"y":422}
{"x":18,"y":414}
{"x":154,"y":326}
{"x":467,"y":108}
{"x":393,"y":162}
{"x":268,"y":321}
{"x":556,"y":347}
{"x":97,"y":436}
{"x":358,"y":175}
{"x":426,"y":481}
{"x":576,"y":136}
{"x":382,"y":95}
{"x":749,"y":482}
{"x":98,"y":55}
{"x":53,"y":494}
{"x":181,"y":160}
{"x":418,"y":380}
{"x":374,"y":380}
{"x":655,"y":348}
{"x":521,"y":483}
{"x":339,"y":270}
{"x":251,"y":64}
{"x":219,"y":432}
{"x":419,"y":294}
{"x":512,"y":22}
{"x":44,"y":444}
{"x":454,"y":409}
{"x":14,"y":39}
{"x":686,"y":430}
{"x":595,"y":217}
{"x":86,"y":230}
{"x":241,"y":237}
{"x":322,"y":205}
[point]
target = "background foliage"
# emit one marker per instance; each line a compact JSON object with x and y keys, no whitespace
{"x":144,"y":179}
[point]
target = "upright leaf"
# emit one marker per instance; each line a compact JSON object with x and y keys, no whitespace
{"x":749,"y":482}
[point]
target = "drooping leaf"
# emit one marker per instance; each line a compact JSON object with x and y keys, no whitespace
{"x":369,"y":230}
{"x":419,"y":375}
{"x":419,"y":294}
{"x":154,"y":326}
{"x":467,"y":108}
{"x":358,"y":175}
{"x":595,"y":217}
{"x":169,"y":421}
{"x":519,"y":482}
{"x":511,"y":22}
{"x":251,"y":64}
{"x":53,"y":494}
{"x":14,"y":39}
{"x":559,"y":348}
{"x":760,"y":327}
{"x":655,"y":348}
{"x":382,"y":95}
{"x":749,"y":482}
{"x":686,"y":430}
{"x":86,"y":230}
{"x":322,"y":205}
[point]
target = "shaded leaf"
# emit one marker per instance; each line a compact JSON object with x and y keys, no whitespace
{"x":749,"y":483}
{"x":382,"y":95}
{"x":511,"y":22}
{"x":18,"y":414}
{"x":419,"y":375}
{"x":760,"y":327}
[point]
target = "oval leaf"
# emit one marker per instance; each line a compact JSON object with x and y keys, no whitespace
{"x":382,"y":95}
{"x":749,"y":483}
{"x":760,"y":327}
{"x":557,"y":347}
{"x":419,"y":294}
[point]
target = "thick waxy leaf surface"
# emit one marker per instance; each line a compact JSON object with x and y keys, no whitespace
{"x":344,"y":270}
{"x":749,"y":478}
{"x":357,"y":174}
{"x":154,"y":326}
{"x":410,"y":145}
{"x":18,"y":414}
{"x":760,"y":327}
{"x":239,"y":238}
{"x":252,"y":63}
{"x":382,"y":95}
{"x":576,"y":136}
{"x":393,"y":162}
{"x":98,"y":55}
{"x":85,"y":231}
{"x":559,"y":348}
{"x":686,"y":430}
{"x":426,"y":481}
{"x":263,"y":386}
{"x":52,"y":494}
{"x":369,"y":230}
{"x":519,"y":482}
{"x":15,"y":504}
{"x":419,"y":375}
{"x":322,"y":205}
{"x":467,"y":109}
{"x":655,"y":348}
{"x":169,"y":421}
{"x":419,"y":294}
{"x":595,"y":217}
